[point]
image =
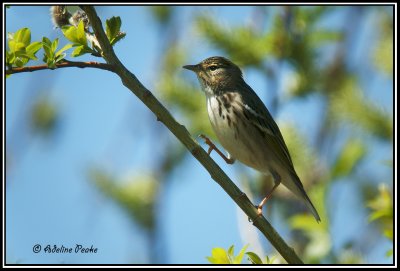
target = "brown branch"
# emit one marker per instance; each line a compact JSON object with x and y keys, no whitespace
{"x":162,"y":114}
{"x":64,"y":64}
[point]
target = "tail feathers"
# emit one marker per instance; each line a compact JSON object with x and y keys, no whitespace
{"x":311,"y":207}
{"x":294,"y":184}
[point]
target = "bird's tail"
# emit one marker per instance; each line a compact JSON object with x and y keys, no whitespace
{"x":311,"y":206}
{"x":297,"y":188}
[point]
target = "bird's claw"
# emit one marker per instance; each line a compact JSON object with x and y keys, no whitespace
{"x":208,"y":142}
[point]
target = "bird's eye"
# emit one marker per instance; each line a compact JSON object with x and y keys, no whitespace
{"x":213,"y":67}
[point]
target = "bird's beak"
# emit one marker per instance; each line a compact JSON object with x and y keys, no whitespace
{"x":194,"y":68}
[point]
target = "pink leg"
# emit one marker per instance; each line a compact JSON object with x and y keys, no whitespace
{"x":259,"y":207}
{"x":213,"y":147}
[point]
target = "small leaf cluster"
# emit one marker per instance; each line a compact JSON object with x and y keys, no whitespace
{"x":51,"y":55}
{"x":113,"y":30}
{"x":77,"y":35}
{"x":21,"y":50}
{"x":222,"y":256}
{"x":382,"y":212}
{"x":80,"y":36}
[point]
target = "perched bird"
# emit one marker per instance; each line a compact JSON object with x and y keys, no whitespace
{"x":244,"y":126}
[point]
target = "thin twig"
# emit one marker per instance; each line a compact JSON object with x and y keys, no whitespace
{"x":64,"y":64}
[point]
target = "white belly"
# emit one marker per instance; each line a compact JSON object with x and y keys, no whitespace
{"x":238,"y":147}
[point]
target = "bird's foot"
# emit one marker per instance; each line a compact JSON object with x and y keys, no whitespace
{"x":212,"y":147}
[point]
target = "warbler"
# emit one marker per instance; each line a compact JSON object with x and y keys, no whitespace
{"x":245,"y":127}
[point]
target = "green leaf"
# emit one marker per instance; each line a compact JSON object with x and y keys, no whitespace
{"x":19,"y":62}
{"x":47,"y":41}
{"x":69,"y":32}
{"x":66,"y":47}
{"x":238,"y":259}
{"x":389,"y":253}
{"x":52,"y":64}
{"x":75,"y":34}
{"x":218,"y":256}
{"x":54,"y":45}
{"x":221,"y":256}
{"x":19,"y":43}
{"x":119,"y":37}
{"x":21,"y":58}
{"x":26,"y":55}
{"x":254,"y":258}
{"x":47,"y":52}
{"x":23,"y":35}
{"x":231,"y":251}
{"x":113,"y":26}
{"x":34,"y":47}
{"x":10,"y":57}
{"x":269,"y":260}
{"x":81,"y":50}
{"x":59,"y":57}
{"x":16,"y":46}
{"x":81,"y":34}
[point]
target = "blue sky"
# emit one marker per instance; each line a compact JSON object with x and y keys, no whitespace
{"x":49,"y":198}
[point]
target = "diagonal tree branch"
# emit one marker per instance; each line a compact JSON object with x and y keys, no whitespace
{"x":163,"y":115}
{"x":64,"y":64}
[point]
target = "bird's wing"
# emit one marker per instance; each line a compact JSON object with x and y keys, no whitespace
{"x":260,"y":117}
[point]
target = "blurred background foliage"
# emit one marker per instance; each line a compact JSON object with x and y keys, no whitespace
{"x":296,"y":38}
{"x":351,"y":125}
